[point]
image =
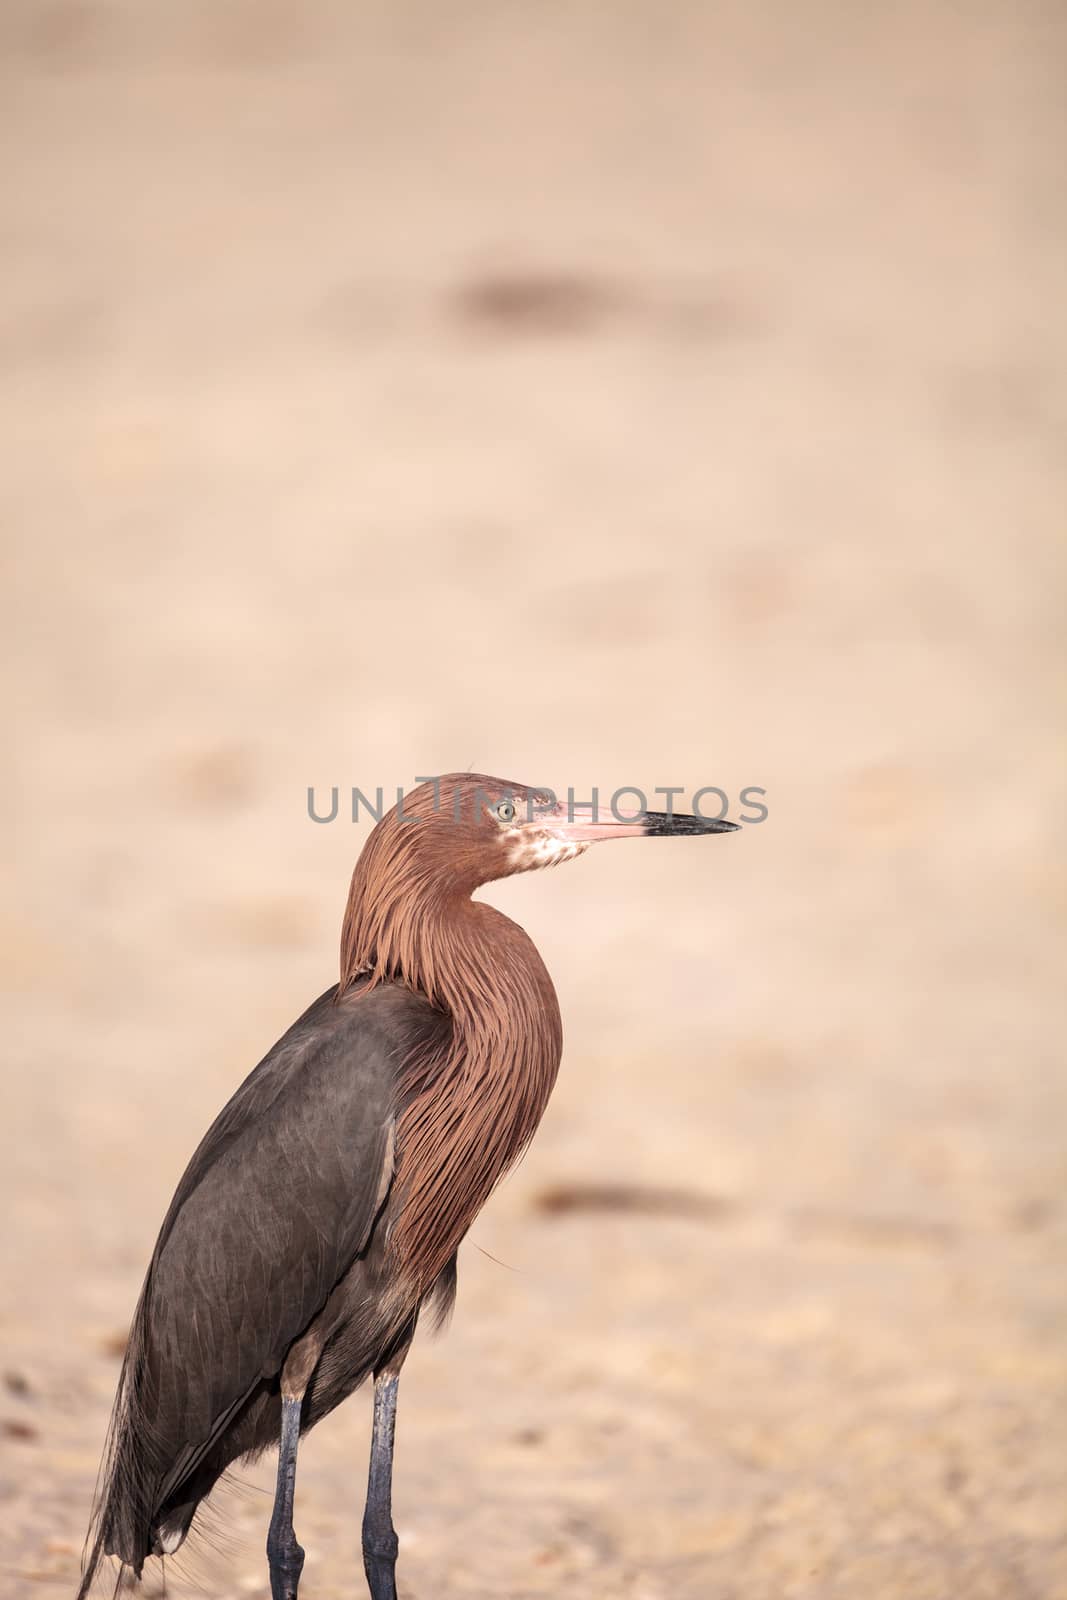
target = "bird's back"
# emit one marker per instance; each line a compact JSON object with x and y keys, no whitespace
{"x":277,"y":1208}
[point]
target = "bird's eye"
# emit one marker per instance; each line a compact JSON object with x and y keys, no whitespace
{"x":505,"y":810}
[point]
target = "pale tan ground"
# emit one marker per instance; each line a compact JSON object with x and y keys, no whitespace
{"x":630,"y":393}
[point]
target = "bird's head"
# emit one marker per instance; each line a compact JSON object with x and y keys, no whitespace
{"x":467,"y":829}
{"x":454,"y":833}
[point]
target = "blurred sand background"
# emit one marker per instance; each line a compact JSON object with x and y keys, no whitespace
{"x":585,"y":393}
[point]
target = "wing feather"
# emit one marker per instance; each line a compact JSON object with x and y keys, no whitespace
{"x":277,"y":1202}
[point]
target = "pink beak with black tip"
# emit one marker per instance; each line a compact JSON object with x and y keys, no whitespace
{"x":585,"y":824}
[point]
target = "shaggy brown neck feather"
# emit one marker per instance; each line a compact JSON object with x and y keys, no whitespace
{"x":468,"y":1109}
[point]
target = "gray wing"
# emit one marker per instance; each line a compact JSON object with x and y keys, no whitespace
{"x":276,"y":1204}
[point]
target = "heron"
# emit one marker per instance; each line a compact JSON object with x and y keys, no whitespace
{"x":322,"y":1212}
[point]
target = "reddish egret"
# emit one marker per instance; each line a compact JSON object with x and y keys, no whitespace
{"x":325,"y":1205}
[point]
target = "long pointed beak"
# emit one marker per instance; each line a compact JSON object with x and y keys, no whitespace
{"x":579,"y":824}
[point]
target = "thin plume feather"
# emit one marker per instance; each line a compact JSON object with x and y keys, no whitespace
{"x":466,"y":1112}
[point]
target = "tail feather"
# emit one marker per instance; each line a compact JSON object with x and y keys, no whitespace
{"x":148,"y":1488}
{"x":125,"y":1499}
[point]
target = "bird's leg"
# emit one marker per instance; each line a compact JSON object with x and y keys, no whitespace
{"x":379,"y":1535}
{"x":284,"y":1556}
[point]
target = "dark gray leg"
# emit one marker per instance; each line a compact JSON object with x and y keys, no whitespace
{"x":284,"y":1556}
{"x":379,"y":1535}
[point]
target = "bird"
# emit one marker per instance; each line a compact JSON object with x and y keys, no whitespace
{"x":323,"y":1210}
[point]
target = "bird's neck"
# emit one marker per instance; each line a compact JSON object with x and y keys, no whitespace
{"x":488,"y":975}
{"x":468,"y":1112}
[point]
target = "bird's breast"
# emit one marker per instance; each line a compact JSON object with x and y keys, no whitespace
{"x":468,"y":1116}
